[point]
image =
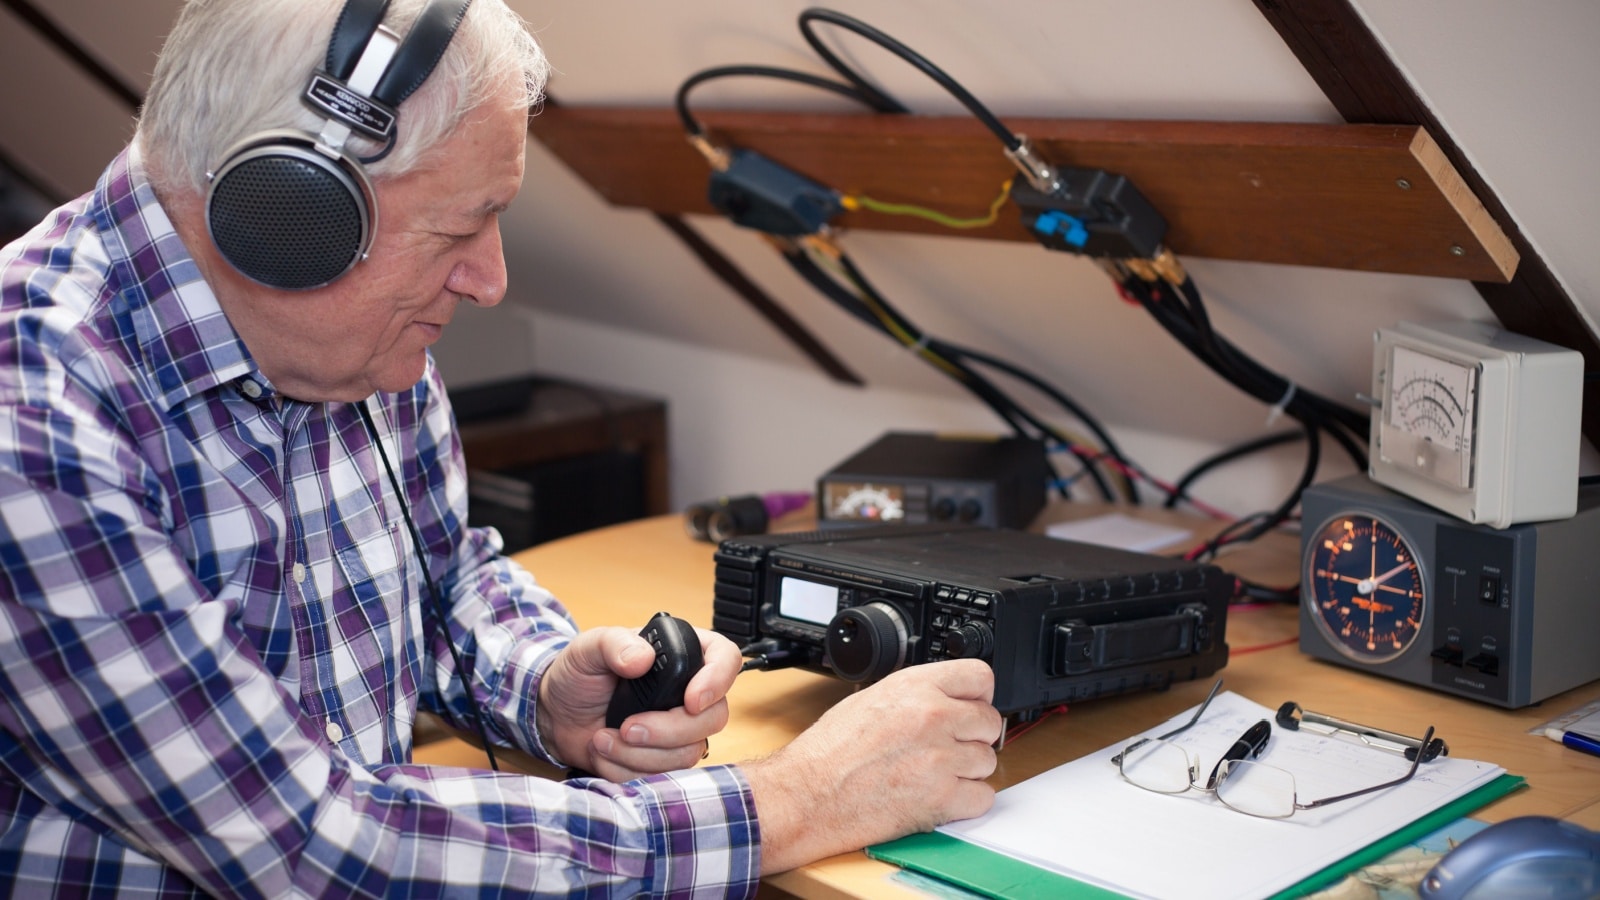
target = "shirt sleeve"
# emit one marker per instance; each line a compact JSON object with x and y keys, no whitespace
{"x":132,"y":702}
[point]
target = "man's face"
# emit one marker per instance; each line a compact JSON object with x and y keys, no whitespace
{"x":437,"y":243}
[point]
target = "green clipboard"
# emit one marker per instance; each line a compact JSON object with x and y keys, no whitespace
{"x":999,"y":876}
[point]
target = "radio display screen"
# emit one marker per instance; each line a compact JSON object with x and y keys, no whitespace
{"x":807,"y":601}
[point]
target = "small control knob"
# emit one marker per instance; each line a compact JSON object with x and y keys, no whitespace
{"x":970,"y":510}
{"x":866,"y":642}
{"x":973,"y":640}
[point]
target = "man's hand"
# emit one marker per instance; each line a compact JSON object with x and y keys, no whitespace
{"x":903,"y":755}
{"x":577,"y":688}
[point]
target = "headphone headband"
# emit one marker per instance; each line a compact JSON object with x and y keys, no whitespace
{"x":373,"y":110}
{"x":357,"y":22}
{"x":423,"y":48}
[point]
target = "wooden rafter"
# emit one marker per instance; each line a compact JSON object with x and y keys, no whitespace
{"x":1353,"y":68}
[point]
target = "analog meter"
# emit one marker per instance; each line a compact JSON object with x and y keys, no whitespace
{"x":1478,"y":422}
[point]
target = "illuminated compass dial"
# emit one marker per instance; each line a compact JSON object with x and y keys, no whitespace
{"x":1364,"y":588}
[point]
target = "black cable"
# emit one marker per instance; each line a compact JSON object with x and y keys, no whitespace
{"x":885,"y":103}
{"x":1071,"y":406}
{"x":1251,"y":527}
{"x":1188,"y":323}
{"x":1266,"y":593}
{"x":692,"y":126}
{"x":433,"y":589}
{"x":817,"y":278}
{"x":917,"y":60}
{"x":1327,"y":410}
{"x":1180,"y":488}
{"x":1191,"y":326}
{"x":1273,"y":387}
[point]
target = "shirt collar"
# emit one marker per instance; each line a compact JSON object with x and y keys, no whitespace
{"x":184,"y":339}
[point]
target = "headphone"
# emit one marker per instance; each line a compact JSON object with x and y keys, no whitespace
{"x":292,"y":210}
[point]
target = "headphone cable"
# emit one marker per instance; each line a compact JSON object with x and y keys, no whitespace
{"x":433,"y":589}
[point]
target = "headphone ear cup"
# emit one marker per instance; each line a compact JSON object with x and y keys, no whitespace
{"x":288,"y":216}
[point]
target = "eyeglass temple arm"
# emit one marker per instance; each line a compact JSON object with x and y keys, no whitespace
{"x":1199,"y":711}
{"x":1416,"y":760}
{"x":1291,"y":717}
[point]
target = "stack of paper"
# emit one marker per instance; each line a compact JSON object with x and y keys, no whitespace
{"x":1083,"y":821}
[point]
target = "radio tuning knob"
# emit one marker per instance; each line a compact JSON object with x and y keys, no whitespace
{"x":971,"y":641}
{"x":865,"y":643}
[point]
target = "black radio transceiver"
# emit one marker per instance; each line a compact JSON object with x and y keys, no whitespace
{"x":1059,"y":621}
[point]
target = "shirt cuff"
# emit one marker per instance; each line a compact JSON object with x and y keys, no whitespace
{"x":707,"y":842}
{"x":519,"y":693}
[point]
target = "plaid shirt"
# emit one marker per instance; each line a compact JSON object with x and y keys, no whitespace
{"x":213,"y":637}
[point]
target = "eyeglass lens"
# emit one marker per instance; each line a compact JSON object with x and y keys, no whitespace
{"x":1159,"y":766}
{"x":1256,"y":789}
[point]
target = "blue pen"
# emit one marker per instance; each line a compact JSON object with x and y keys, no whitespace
{"x":1576,"y":741}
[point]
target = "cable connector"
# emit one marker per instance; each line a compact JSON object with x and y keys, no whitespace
{"x":1092,"y":213}
{"x":1168,"y":267}
{"x":1033,"y":167}
{"x":716,"y":157}
{"x":758,"y":193}
{"x":769,"y":654}
{"x":1143,"y":269}
{"x":823,"y":244}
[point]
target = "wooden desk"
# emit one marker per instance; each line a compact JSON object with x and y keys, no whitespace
{"x":623,"y":574}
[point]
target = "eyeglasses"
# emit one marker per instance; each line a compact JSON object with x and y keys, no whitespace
{"x":1243,"y":785}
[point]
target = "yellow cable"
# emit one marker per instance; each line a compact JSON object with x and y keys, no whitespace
{"x":856,"y":202}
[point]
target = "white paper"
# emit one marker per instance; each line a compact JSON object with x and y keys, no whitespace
{"x":1588,"y":726}
{"x":1120,"y":531}
{"x":1083,"y":820}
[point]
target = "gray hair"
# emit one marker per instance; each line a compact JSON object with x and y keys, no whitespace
{"x":233,"y":68}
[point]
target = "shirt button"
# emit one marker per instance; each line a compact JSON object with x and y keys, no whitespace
{"x":299,"y":572}
{"x":335,"y":733}
{"x":250,"y":389}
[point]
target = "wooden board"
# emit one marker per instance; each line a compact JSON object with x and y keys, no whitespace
{"x":1379,"y":198}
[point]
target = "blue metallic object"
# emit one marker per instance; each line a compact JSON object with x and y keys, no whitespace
{"x":1525,"y":857}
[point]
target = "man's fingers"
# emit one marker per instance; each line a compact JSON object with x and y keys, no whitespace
{"x":971,"y":799}
{"x":674,"y":728}
{"x":628,"y":655}
{"x":982,"y":724}
{"x":963,"y":679}
{"x":715,"y":678}
{"x":618,"y":760}
{"x":975,"y":760}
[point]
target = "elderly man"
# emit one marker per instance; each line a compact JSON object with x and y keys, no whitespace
{"x":232,"y":520}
